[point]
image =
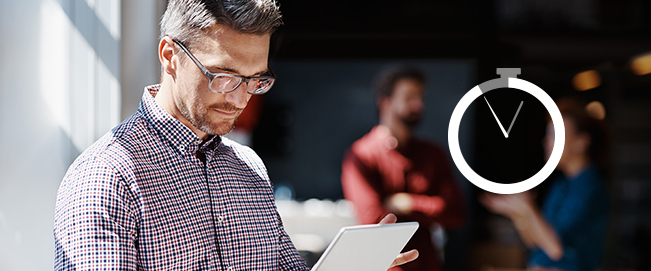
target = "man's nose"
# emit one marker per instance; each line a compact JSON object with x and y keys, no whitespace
{"x":417,"y":105}
{"x":239,"y":97}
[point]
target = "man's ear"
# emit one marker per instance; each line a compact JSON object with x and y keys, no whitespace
{"x":382,"y":102}
{"x":166,"y":55}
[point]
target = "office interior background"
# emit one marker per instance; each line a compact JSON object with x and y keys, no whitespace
{"x":70,"y":70}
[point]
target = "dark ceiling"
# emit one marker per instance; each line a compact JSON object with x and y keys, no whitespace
{"x":513,"y":31}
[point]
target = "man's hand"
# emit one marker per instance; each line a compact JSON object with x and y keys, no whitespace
{"x":400,"y":203}
{"x":402,"y":258}
{"x":514,"y":206}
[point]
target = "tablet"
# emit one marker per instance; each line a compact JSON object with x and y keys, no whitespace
{"x":366,"y":247}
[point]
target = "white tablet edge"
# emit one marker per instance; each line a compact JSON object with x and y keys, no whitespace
{"x":357,"y":227}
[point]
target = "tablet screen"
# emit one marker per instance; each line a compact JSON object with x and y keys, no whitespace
{"x":366,"y":247}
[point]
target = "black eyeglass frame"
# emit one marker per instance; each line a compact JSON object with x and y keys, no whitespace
{"x":212,"y":76}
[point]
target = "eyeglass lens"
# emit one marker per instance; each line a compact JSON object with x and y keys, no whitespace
{"x":228,"y":83}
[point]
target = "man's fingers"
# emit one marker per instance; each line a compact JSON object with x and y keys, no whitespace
{"x":390,"y":218}
{"x":404,"y":258}
{"x":487,"y":201}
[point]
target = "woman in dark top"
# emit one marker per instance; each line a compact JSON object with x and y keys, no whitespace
{"x":570,"y":230}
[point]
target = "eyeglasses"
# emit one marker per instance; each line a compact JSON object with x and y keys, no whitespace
{"x":226,"y":82}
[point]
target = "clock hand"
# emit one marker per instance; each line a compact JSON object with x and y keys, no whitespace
{"x":506,"y":135}
{"x":516,"y":115}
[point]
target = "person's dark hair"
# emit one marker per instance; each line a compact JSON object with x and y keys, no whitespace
{"x":575,"y":110}
{"x":184,"y":20}
{"x":386,"y":80}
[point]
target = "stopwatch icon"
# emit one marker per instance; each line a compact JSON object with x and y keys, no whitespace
{"x":508,"y":79}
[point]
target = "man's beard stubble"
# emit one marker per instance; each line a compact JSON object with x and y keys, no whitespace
{"x":202,"y":121}
{"x":411,"y":120}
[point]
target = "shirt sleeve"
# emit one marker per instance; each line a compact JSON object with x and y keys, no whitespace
{"x":428,"y":205}
{"x":360,"y":185}
{"x":443,"y":203}
{"x":444,"y":206}
{"x":290,"y":259}
{"x":95,"y":223}
{"x":578,"y":208}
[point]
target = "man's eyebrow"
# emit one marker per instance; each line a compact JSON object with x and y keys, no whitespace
{"x":222,"y":68}
{"x":234,"y":71}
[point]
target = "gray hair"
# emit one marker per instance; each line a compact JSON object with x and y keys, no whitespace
{"x":185,"y":20}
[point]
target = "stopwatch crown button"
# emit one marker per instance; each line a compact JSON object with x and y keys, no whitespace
{"x":509,"y":72}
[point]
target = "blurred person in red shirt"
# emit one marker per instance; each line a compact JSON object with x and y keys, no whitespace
{"x":389,"y":170}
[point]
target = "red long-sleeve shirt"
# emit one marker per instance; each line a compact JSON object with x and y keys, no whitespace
{"x":373,"y":170}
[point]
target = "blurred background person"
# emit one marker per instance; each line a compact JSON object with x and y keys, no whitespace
{"x":389,"y":170}
{"x":569,"y":232}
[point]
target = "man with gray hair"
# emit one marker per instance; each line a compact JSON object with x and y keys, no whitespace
{"x":164,"y":189}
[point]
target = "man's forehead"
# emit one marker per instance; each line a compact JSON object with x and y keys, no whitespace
{"x":409,"y":84}
{"x":232,"y":51}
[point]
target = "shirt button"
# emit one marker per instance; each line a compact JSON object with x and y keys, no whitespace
{"x":220,"y":219}
{"x":197,"y":141}
{"x":230,"y":268}
{"x":182,"y":147}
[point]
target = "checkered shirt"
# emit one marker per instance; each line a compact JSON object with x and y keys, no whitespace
{"x":138,"y":199}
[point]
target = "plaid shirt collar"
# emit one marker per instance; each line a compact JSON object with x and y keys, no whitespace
{"x":179,"y":136}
